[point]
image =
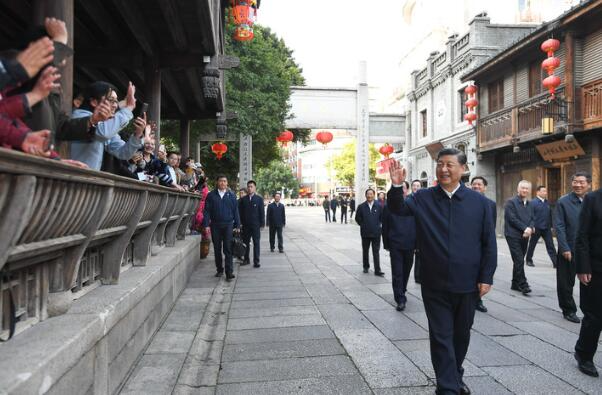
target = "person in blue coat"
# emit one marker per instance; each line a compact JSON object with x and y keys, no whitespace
{"x":542,"y":218}
{"x":399,"y":238}
{"x":221,"y":211}
{"x":334,"y":203}
{"x":479,"y":184}
{"x":456,"y":239}
{"x":369,"y":218}
{"x":566,"y":222}
{"x":518,"y":227}
{"x":252,"y":217}
{"x":276,"y":221}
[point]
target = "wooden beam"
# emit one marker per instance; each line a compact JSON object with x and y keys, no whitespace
{"x":136,"y":24}
{"x":195,"y":86}
{"x":171,"y":86}
{"x":226,"y":62}
{"x":569,"y":78}
{"x":98,"y":14}
{"x":102,"y":57}
{"x":205,"y":18}
{"x":174,"y":23}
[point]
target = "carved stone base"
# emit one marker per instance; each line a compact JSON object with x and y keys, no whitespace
{"x":59,"y":302}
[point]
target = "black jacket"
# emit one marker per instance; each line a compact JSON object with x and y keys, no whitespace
{"x":517,"y":217}
{"x":252,"y":211}
{"x":398,"y":231}
{"x":221,"y":211}
{"x":276,"y":216}
{"x":334,"y":204}
{"x":369,"y":220}
{"x":566,"y":221}
{"x":352,"y":204}
{"x":588,"y":245}
{"x":542,"y":215}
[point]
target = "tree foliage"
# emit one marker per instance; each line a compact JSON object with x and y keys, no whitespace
{"x":344,"y":164}
{"x":274,"y":177}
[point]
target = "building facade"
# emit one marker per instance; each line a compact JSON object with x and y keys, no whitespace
{"x":436,"y":100}
{"x":512,"y":105}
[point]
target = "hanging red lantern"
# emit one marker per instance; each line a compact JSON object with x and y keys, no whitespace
{"x":324,"y":137}
{"x":386,"y":150}
{"x":244,"y":15}
{"x":471,"y":103}
{"x":285,"y":137}
{"x":551,"y":82}
{"x":219,"y":149}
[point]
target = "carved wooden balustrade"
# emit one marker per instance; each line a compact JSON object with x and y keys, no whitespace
{"x":65,"y":230}
{"x":591,"y":105}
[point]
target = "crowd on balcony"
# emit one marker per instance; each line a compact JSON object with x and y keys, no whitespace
{"x":105,"y":132}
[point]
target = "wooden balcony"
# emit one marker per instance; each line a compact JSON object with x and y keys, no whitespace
{"x":65,"y":230}
{"x":591,"y":105}
{"x":495,"y":130}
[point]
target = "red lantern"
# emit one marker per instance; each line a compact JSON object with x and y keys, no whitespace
{"x":243,"y":14}
{"x":219,"y":149}
{"x":471,"y":103}
{"x":386,"y":150}
{"x":285,"y":137}
{"x":551,"y":82}
{"x":324,"y":137}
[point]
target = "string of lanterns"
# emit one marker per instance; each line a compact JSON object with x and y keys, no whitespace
{"x":471,"y":103}
{"x":551,"y":82}
{"x":243,"y":14}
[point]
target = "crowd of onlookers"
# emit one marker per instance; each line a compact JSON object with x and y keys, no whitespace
{"x":106,"y":132}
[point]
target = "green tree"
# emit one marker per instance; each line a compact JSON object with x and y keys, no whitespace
{"x":274,"y":177}
{"x":343,"y":164}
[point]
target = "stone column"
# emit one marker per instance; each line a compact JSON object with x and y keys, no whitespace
{"x":245,"y":159}
{"x":362,"y":154}
{"x":185,"y":138}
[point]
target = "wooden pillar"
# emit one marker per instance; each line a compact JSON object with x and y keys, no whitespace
{"x":152,"y":80}
{"x":596,"y":175}
{"x":569,"y":78}
{"x":185,"y":138}
{"x":63,"y":10}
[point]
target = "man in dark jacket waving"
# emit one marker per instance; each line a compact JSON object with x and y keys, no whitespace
{"x":276,"y":221}
{"x":542,"y":218}
{"x":252,"y":217}
{"x":458,"y":249}
{"x":221,"y":209}
{"x":369,"y":217}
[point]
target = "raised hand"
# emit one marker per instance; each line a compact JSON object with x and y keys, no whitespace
{"x":140,"y":126}
{"x":57,"y":30}
{"x":397,"y":173}
{"x":130,"y":99}
{"x":102,"y":112}
{"x":37,"y":55}
{"x":36,"y":143}
{"x":44,"y":85}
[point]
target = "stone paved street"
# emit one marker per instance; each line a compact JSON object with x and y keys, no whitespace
{"x":309,"y":321}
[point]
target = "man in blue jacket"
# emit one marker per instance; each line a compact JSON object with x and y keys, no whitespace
{"x":333,"y":206}
{"x":542,"y":218}
{"x":479,"y":184}
{"x":252,"y":217}
{"x":566,"y":221}
{"x":369,"y":218}
{"x":399,"y":238}
{"x":518,"y":227}
{"x":276,"y":221}
{"x":222,"y":210}
{"x":458,"y":249}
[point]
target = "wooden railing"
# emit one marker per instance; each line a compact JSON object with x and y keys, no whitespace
{"x":64,"y":230}
{"x":495,"y":129}
{"x":591,"y":104}
{"x":531,"y":112}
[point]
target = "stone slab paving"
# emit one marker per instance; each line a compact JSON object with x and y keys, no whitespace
{"x":310,"y":322}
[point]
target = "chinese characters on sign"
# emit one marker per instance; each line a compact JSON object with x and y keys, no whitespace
{"x":559,"y":150}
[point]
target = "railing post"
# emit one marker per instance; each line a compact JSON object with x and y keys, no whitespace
{"x":143,"y":241}
{"x":160,"y":231}
{"x":15,"y":216}
{"x":113,"y":251}
{"x":190,"y":211}
{"x":172,"y":227}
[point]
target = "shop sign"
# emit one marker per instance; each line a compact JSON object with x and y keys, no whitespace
{"x":559,"y":150}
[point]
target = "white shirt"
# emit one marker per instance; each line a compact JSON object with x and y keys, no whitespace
{"x":370,"y":205}
{"x":450,"y":194}
{"x":221,"y":193}
{"x":172,"y":173}
{"x":543,"y":200}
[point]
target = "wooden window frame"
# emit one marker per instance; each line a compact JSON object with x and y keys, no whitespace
{"x":495,"y":95}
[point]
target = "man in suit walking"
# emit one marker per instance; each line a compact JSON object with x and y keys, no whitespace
{"x":588,"y":258}
{"x":457,"y":243}
{"x":566,"y":221}
{"x":399,"y":238}
{"x":416,"y":186}
{"x":351,"y":206}
{"x":369,"y":218}
{"x":518,"y":227}
{"x":333,"y":206}
{"x":542,"y":217}
{"x":479,"y":184}
{"x":221,"y":209}
{"x":326,"y":207}
{"x":343,"y":203}
{"x":252,"y":217}
{"x":276,"y":221}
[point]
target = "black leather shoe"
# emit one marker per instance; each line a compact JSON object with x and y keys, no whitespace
{"x":400,"y":307}
{"x":515,"y":287}
{"x":271,"y":250}
{"x":281,"y":251}
{"x":464,"y":390}
{"x":365,"y":270}
{"x":481,"y":307}
{"x":530,"y":263}
{"x":379,"y":274}
{"x":256,"y":265}
{"x":219,"y":274}
{"x":572,"y":317}
{"x":244,"y":263}
{"x":230,"y":276}
{"x":586,"y":367}
{"x":525,"y":289}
